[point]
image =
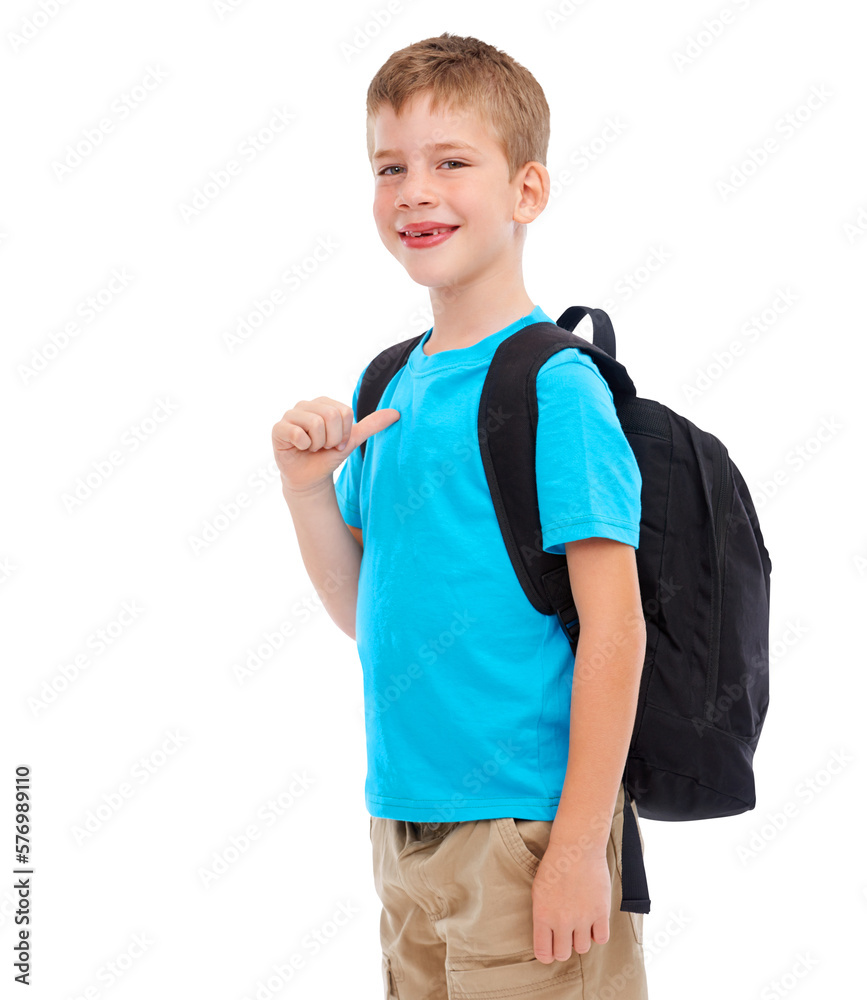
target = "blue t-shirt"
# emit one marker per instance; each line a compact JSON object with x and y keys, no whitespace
{"x":467,"y":688}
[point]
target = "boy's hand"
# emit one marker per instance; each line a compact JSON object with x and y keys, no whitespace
{"x":315,"y":436}
{"x":571,"y":903}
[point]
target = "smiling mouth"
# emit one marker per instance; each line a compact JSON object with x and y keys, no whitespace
{"x":430,"y":232}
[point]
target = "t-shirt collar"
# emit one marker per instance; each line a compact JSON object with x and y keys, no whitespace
{"x":421,"y":363}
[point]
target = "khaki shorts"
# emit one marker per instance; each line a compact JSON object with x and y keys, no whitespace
{"x":457,"y":915}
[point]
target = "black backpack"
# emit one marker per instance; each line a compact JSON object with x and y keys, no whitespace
{"x":703,"y":572}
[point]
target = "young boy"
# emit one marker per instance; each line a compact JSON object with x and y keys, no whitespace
{"x":494,"y":757}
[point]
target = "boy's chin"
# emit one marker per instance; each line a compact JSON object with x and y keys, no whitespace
{"x":433,"y":283}
{"x":421,"y":275}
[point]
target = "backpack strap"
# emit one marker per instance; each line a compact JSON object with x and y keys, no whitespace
{"x":603,"y":331}
{"x":509,"y":459}
{"x":378,"y":374}
{"x":510,"y":467}
{"x":635,"y":895}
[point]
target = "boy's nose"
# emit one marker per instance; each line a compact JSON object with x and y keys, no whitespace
{"x":404,"y":202}
{"x":416,"y":190}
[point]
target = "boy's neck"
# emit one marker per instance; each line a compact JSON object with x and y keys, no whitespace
{"x":465,"y":319}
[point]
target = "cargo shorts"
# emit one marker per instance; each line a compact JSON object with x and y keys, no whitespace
{"x":457,"y":915}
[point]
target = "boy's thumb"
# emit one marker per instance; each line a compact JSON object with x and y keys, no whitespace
{"x":372,"y":423}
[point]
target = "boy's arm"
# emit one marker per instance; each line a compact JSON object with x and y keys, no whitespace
{"x":331,"y":555}
{"x":608,"y":665}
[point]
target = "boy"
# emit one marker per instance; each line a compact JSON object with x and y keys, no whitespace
{"x":494,"y":757}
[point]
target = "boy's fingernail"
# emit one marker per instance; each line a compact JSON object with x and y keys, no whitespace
{"x":341,"y":446}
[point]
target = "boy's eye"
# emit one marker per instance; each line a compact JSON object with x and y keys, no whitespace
{"x":385,"y":170}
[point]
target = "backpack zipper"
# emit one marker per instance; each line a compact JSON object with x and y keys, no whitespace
{"x":723,"y":486}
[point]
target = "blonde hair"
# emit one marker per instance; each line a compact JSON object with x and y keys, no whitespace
{"x":465,"y":73}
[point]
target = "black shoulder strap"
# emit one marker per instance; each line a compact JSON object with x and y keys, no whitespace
{"x":378,"y":374}
{"x":635,"y":896}
{"x":603,"y":331}
{"x":509,"y":393}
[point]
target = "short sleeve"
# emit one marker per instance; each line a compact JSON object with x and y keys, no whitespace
{"x":347,"y":487}
{"x":587,"y":479}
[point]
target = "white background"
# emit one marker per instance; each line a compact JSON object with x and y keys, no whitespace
{"x":722,"y":924}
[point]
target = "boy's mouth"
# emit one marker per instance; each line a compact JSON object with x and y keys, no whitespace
{"x":425,"y":237}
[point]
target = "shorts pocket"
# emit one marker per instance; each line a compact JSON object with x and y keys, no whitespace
{"x":526,"y":840}
{"x":515,"y":979}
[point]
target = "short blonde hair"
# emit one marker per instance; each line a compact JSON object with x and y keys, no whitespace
{"x":465,"y":73}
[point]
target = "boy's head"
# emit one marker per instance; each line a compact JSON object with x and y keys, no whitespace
{"x":466,"y":74}
{"x":456,"y":92}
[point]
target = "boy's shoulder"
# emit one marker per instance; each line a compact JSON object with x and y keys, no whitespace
{"x":568,"y":369}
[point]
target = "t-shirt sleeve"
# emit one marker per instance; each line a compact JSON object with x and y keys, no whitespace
{"x":347,"y":487}
{"x":587,"y":479}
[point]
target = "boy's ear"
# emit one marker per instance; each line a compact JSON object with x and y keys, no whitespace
{"x":533,"y":184}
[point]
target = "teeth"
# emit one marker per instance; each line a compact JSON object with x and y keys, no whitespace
{"x":433,"y":232}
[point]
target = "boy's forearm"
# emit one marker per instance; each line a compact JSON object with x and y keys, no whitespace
{"x":602,"y":716}
{"x":331,"y":555}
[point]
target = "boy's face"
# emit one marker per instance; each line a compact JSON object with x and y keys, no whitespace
{"x":417,"y":184}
